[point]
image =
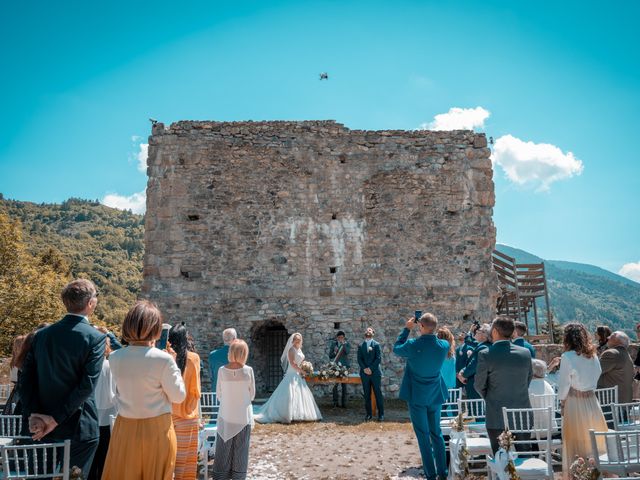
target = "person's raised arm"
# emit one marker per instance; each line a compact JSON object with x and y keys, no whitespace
{"x":172,"y":383}
{"x":402,"y":347}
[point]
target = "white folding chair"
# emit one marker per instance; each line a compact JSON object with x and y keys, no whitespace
{"x":209,"y":408}
{"x":622,"y":451}
{"x":626,"y":416}
{"x":5,"y":393}
{"x":10,"y":426}
{"x":549,"y":400}
{"x":449,"y":410}
{"x":46,"y":460}
{"x":607,"y":397}
{"x":530,"y":464}
{"x":478,"y":444}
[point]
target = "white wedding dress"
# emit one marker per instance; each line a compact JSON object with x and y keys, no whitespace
{"x":292,"y":400}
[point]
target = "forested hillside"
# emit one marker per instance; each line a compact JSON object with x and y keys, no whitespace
{"x":88,"y":240}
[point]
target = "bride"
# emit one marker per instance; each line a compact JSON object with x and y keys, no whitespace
{"x":292,"y":400}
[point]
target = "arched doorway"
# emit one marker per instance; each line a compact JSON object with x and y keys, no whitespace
{"x":268,"y":340}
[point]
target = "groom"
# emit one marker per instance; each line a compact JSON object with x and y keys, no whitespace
{"x":369,"y":358}
{"x":423,"y":388}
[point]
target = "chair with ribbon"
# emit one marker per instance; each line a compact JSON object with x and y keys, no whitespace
{"x":530,"y":463}
{"x":477,"y":443}
{"x":622,"y":455}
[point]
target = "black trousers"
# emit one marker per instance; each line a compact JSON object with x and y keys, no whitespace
{"x":82,"y":453}
{"x":101,"y":454}
{"x":343,"y":399}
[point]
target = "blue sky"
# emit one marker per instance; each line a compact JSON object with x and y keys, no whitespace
{"x":80,"y":81}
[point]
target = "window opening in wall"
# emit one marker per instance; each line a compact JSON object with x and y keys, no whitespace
{"x":193,"y":217}
{"x":334,"y":216}
{"x":333,"y":269}
{"x":336,"y":325}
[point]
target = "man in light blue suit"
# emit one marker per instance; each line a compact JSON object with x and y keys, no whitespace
{"x":220,"y":356}
{"x":423,"y":388}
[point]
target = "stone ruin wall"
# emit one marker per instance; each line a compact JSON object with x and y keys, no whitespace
{"x":317,"y":227}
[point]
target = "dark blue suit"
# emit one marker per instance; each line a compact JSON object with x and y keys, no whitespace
{"x":371,"y":359}
{"x":521,"y":342}
{"x":463,"y":354}
{"x":424,"y":389}
{"x":469,"y":371}
{"x":59,"y":377}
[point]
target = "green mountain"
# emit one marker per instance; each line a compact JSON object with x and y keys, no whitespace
{"x":586,"y":293}
{"x":94,"y":241}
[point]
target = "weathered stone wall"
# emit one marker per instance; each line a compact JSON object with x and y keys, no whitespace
{"x":317,"y":227}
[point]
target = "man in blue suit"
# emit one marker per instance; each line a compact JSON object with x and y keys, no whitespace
{"x":220,"y":356}
{"x":369,"y":358}
{"x":518,"y":338}
{"x":468,"y":374}
{"x":423,"y":388}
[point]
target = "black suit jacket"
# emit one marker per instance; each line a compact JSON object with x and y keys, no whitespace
{"x":59,"y":376}
{"x":503,"y":377}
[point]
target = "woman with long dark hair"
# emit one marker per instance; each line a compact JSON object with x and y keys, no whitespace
{"x":602,"y":336}
{"x":577,"y":380}
{"x":186,"y":418}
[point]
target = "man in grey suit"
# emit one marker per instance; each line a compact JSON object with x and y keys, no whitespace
{"x":617,"y":367}
{"x":503,"y":377}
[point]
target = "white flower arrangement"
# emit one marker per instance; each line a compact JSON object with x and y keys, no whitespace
{"x":333,"y":370}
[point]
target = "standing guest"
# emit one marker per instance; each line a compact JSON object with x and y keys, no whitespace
{"x":636,"y":363}
{"x":339,"y":351}
{"x":218,"y":357}
{"x":468,"y":374}
{"x":602,"y":335}
{"x":236,"y":390}
{"x":186,"y":418}
{"x":577,"y":380}
{"x":503,"y":376}
{"x":518,"y":338}
{"x":424,"y":389}
{"x":617,"y":367}
{"x":25,"y":347}
{"x":369,"y":358}
{"x":449,"y":365}
{"x":13,"y":375}
{"x":464,"y":350}
{"x":143,"y":441}
{"x":106,"y":404}
{"x":541,"y":394}
{"x":59,"y":376}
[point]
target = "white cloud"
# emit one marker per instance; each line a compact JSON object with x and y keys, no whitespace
{"x":458,"y":119}
{"x":137,"y":202}
{"x":631,"y":271}
{"x":534,"y":164}
{"x":141,"y":156}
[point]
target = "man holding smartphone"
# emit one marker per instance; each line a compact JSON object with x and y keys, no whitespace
{"x":424,"y":389}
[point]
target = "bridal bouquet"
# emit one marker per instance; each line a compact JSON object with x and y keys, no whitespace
{"x":307,"y":367}
{"x":582,"y":469}
{"x":333,"y":370}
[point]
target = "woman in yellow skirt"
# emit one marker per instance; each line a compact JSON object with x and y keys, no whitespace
{"x":148,"y":381}
{"x":186,"y":417}
{"x":577,"y":380}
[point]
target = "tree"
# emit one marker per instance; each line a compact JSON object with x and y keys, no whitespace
{"x":29,"y":288}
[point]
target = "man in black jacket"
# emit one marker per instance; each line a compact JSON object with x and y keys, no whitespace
{"x":59,"y":376}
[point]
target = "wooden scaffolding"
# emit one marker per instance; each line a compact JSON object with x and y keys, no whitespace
{"x":521,"y":285}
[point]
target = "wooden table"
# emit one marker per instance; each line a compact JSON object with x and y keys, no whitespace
{"x":353,"y":379}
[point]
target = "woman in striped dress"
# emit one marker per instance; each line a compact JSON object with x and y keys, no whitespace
{"x":185,"y":415}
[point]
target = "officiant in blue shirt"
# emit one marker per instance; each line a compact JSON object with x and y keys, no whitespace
{"x":424,"y":389}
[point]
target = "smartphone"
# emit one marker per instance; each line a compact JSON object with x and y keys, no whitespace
{"x":161,"y":343}
{"x":418,"y":315}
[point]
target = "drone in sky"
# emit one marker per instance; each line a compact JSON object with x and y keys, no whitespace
{"x":324,"y":76}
